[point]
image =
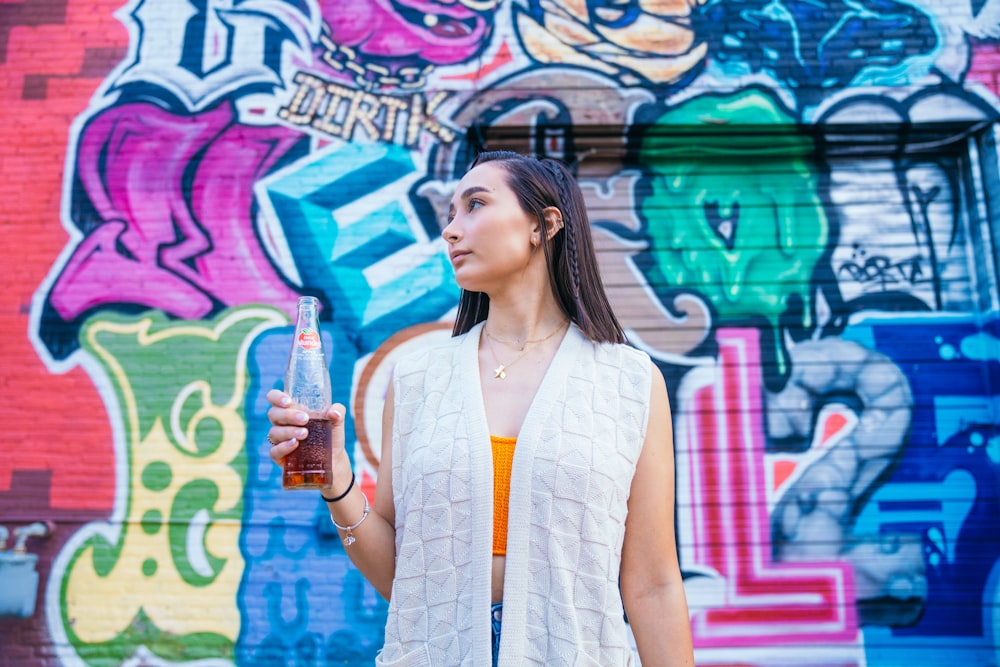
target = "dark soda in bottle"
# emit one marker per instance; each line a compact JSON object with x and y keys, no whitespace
{"x":307,"y":381}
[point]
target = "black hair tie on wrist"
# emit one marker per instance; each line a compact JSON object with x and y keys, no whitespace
{"x":341,"y":496}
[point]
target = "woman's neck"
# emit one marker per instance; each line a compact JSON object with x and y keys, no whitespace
{"x":524,"y":321}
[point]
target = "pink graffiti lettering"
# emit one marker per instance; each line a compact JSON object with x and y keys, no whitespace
{"x":165,"y":202}
{"x":720,"y":456}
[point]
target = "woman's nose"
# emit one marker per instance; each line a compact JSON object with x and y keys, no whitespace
{"x":450,"y":232}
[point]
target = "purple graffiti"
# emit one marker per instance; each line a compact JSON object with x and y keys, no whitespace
{"x":397,"y":41}
{"x":165,"y":206}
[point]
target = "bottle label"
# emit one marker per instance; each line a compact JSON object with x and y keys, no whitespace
{"x":308,"y":339}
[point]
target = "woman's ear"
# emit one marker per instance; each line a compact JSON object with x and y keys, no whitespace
{"x":553,"y":221}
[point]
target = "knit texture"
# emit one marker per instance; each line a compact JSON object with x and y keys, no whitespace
{"x":570,"y":479}
{"x":503,"y":459}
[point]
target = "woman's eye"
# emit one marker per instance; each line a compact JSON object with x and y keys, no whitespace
{"x":474,"y":204}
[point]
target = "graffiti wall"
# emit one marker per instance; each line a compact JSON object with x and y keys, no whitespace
{"x":794,"y":205}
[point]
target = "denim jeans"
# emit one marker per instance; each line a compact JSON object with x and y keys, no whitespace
{"x":495,"y":616}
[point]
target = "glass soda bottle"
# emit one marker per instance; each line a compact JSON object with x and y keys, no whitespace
{"x":307,"y":381}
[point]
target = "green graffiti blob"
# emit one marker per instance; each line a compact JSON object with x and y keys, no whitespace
{"x":732,"y":209}
{"x":161,"y":577}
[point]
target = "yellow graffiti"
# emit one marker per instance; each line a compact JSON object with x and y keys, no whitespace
{"x":659,"y":45}
{"x":176,"y":558}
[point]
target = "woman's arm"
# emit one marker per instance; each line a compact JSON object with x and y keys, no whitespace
{"x":374,"y":549}
{"x":651,"y":583}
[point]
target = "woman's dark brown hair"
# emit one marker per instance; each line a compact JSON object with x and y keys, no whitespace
{"x":572,"y":262}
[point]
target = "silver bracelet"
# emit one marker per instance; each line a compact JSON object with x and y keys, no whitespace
{"x":349,"y":538}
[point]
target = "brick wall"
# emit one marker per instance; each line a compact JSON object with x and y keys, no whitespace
{"x":794,"y":209}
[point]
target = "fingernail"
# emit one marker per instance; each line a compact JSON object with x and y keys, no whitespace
{"x":301,"y":417}
{"x":339,"y":415}
{"x":301,"y":434}
{"x":285,"y":401}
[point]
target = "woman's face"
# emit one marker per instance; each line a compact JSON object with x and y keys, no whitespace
{"x":490,"y":236}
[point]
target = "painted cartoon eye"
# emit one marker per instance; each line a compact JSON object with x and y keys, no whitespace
{"x":723,"y":226}
{"x":614,"y":13}
{"x":480,"y":5}
{"x":441,"y":24}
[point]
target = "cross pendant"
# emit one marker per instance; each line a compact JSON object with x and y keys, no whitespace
{"x":499,"y":372}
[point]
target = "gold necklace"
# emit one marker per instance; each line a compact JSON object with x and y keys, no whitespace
{"x":520,"y":346}
{"x":500,"y":372}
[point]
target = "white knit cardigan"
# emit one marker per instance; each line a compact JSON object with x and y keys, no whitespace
{"x":572,"y":471}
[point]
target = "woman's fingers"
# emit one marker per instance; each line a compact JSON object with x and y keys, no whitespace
{"x":288,"y":423}
{"x":282,"y":449}
{"x":282,"y":433}
{"x":335,"y":413}
{"x":278,"y":399}
{"x":287,"y":417}
{"x":282,"y":414}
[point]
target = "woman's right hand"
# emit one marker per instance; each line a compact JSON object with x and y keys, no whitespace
{"x":288,"y":425}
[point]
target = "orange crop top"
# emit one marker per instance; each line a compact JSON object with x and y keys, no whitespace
{"x":503,"y":457}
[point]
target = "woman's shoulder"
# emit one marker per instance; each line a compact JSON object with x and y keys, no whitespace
{"x":624,"y":353}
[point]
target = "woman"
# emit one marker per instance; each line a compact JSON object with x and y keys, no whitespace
{"x":579,"y":521}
